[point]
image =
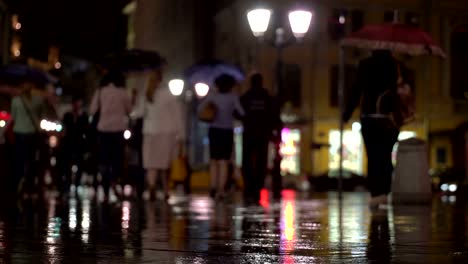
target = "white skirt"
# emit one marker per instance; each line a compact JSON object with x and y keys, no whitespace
{"x":159,"y":151}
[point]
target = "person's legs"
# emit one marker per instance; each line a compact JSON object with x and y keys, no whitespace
{"x":247,"y":169}
{"x":105,"y":157}
{"x":222,"y":177}
{"x":261,"y":159}
{"x":214,"y":176}
{"x":117,"y":160}
{"x":20,"y":160}
{"x":379,"y":140}
{"x":164,"y":176}
{"x":151,"y":175}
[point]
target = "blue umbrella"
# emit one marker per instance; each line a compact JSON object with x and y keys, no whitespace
{"x":16,"y":73}
{"x":207,"y":72}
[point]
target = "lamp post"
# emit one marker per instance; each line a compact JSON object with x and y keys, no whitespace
{"x":299,"y":21}
{"x":190,"y":97}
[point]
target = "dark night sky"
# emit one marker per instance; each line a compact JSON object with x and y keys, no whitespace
{"x":83,"y":28}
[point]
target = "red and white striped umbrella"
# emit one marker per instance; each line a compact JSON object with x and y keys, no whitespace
{"x":394,"y":37}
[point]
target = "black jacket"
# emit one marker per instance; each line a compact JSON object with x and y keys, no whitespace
{"x":261,"y":113}
{"x":375,"y":76}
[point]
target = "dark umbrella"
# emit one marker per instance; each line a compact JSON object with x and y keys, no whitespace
{"x":17,"y":73}
{"x":134,"y":60}
{"x":207,"y":72}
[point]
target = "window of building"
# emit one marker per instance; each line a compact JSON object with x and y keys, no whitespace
{"x":357,"y":20}
{"x":350,"y":77}
{"x":291,"y":90}
{"x":459,"y":62}
{"x":337,"y":24}
{"x":389,"y":16}
{"x":412,"y":18}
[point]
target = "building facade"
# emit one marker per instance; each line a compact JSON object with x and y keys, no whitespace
{"x":311,"y":75}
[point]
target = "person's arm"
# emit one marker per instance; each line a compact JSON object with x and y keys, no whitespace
{"x":93,"y":108}
{"x":239,"y":110}
{"x":127,"y":101}
{"x":14,"y":109}
{"x":354,"y":97}
{"x":139,"y":107}
{"x":178,"y":112}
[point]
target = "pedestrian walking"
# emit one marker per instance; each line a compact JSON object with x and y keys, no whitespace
{"x":225,"y":104}
{"x":113,"y":104}
{"x":163,"y":132}
{"x":73,"y":146}
{"x":258,"y":122}
{"x":26,"y":109}
{"x":378,"y":82}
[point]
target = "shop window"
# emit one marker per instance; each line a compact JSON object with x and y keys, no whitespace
{"x":350,"y":77}
{"x":290,"y":151}
{"x":353,"y":151}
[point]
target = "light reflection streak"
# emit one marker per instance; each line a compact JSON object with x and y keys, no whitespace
{"x":126,"y":207}
{"x":53,"y":230}
{"x":85,"y":221}
{"x":288,"y":226}
{"x":72,"y":217}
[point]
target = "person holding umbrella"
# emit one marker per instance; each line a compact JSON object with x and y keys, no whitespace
{"x":26,"y":109}
{"x":378,"y":81}
{"x":221,"y":131}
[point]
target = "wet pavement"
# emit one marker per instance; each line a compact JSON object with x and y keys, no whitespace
{"x":300,"y":228}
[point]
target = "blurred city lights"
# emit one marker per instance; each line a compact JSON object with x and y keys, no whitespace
{"x":53,"y":141}
{"x":453,"y":188}
{"x":342,"y":19}
{"x":127,"y":134}
{"x":176,"y":87}
{"x":18,"y":26}
{"x":2,"y":123}
{"x":202,"y":89}
{"x":356,"y":127}
{"x":58,"y":65}
{"x":17,"y":53}
{"x":444,"y":187}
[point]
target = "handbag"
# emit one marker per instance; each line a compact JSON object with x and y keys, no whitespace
{"x":179,"y":170}
{"x":397,"y":104}
{"x":208,"y":112}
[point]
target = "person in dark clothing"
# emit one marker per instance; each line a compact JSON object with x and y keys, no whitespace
{"x":258,"y":124}
{"x":73,"y":145}
{"x":376,"y":76}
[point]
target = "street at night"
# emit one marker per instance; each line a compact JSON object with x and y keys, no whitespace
{"x":299,"y":229}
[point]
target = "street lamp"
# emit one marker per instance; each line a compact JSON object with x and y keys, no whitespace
{"x":176,"y":87}
{"x":202,"y":89}
{"x":299,"y":21}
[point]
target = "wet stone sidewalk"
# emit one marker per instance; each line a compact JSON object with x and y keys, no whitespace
{"x":299,"y":229}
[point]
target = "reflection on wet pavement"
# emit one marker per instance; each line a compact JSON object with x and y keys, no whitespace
{"x":315,"y":228}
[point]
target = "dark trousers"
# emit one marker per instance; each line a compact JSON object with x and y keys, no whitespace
{"x":379,"y":139}
{"x":70,"y":158}
{"x":111,"y":158}
{"x":25,"y":160}
{"x":254,"y":166}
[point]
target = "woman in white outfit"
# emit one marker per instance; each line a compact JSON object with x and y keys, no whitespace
{"x":163,"y":132}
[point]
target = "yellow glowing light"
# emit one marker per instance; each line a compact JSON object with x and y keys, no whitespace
{"x":289,"y":221}
{"x":17,"y":53}
{"x":18,"y":26}
{"x":58,"y":65}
